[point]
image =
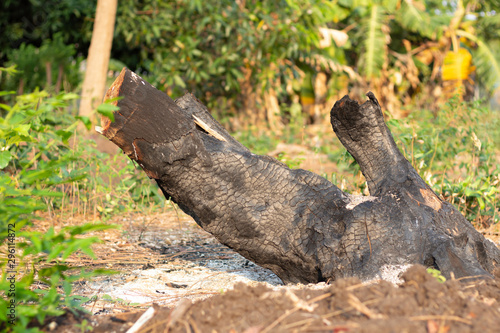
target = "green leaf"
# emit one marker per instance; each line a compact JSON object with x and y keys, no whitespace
{"x":67,"y":288}
{"x":82,"y":229}
{"x":485,"y":58}
{"x":55,"y":251}
{"x":482,"y":205}
{"x":5,"y":157}
{"x":15,"y":139}
{"x":112,"y":100}
{"x":32,"y":176}
{"x":11,"y":69}
{"x":69,"y":96}
{"x":64,"y":134}
{"x":374,"y":51}
{"x":23,"y":129}
{"x":179,"y":81}
{"x":47,"y":193}
{"x":85,"y":120}
{"x":417,"y":20}
{"x":437,"y":274}
{"x":107,"y":110}
{"x":5,"y":107}
{"x":82,"y":244}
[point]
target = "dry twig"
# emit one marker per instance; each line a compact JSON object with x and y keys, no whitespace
{"x":296,"y":308}
{"x":443,"y":317}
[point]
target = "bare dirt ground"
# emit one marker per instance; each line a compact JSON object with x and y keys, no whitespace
{"x":171,"y":269}
{"x":174,"y":277}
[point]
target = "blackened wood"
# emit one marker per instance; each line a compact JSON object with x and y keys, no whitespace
{"x":295,"y":222}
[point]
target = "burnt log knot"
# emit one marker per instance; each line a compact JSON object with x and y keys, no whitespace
{"x":294,"y":222}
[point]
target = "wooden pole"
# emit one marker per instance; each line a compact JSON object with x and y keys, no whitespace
{"x":98,"y":58}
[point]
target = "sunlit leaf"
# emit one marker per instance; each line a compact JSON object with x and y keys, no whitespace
{"x":69,"y":96}
{"x":107,"y":110}
{"x":179,"y":81}
{"x":374,"y":43}
{"x":486,"y":60}
{"x":86,"y":121}
{"x":64,"y":134}
{"x":5,"y":158}
{"x":413,"y":16}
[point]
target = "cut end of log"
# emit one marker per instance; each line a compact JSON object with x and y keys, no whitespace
{"x":113,"y":91}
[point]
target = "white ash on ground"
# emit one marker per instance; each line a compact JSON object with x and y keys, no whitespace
{"x":165,"y":284}
{"x":174,"y":260}
{"x":167,"y":261}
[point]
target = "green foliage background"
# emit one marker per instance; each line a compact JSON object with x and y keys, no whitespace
{"x":214,"y":48}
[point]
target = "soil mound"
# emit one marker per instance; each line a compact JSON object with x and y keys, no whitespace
{"x":420,"y":304}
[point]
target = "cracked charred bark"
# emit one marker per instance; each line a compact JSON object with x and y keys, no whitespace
{"x":295,"y":222}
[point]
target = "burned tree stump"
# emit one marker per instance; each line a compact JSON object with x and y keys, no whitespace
{"x":294,"y":222}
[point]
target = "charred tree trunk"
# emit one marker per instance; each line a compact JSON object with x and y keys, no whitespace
{"x":295,"y":222}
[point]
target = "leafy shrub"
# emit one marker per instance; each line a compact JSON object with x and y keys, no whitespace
{"x":52,"y":66}
{"x":455,"y":153}
{"x":45,"y":167}
{"x":36,"y":161}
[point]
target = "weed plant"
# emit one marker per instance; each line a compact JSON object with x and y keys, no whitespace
{"x":45,"y":167}
{"x":456,"y":152}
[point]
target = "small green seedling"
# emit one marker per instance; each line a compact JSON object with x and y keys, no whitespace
{"x":437,"y":274}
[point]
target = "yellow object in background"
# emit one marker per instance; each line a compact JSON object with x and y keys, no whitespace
{"x":307,"y":97}
{"x":457,"y":65}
